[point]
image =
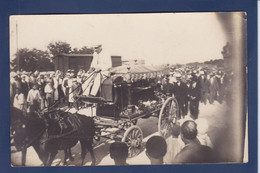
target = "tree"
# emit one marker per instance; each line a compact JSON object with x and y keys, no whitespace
{"x":31,"y":60}
{"x":59,"y":47}
{"x":86,"y":50}
{"x":83,"y":50}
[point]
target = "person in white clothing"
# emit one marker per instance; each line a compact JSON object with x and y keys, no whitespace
{"x":101,"y":59}
{"x":19,"y":100}
{"x":70,"y":82}
{"x":49,"y":92}
{"x":34,"y":99}
{"x":203,"y":137}
{"x":173,"y":145}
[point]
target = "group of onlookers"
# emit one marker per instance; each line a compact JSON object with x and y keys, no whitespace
{"x":188,"y":143}
{"x":36,"y":91}
{"x":192,"y":86}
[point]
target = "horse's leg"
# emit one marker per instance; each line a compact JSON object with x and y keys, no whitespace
{"x":51,"y":157}
{"x":70,"y":155}
{"x":65,"y":157}
{"x":83,"y":150}
{"x":24,"y":151}
{"x":90,"y":148}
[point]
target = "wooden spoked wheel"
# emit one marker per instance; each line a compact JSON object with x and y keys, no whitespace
{"x":133,"y":137}
{"x":168,"y":116}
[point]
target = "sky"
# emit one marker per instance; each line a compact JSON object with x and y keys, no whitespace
{"x":157,"y":38}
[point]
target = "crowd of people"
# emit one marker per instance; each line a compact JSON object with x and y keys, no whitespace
{"x":36,"y":91}
{"x":190,"y":86}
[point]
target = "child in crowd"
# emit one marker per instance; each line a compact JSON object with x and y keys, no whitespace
{"x":173,"y":145}
{"x":156,"y":149}
{"x":34,"y":99}
{"x":119,"y":152}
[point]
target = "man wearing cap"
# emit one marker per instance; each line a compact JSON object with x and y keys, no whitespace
{"x":101,"y":58}
{"x":180,"y":93}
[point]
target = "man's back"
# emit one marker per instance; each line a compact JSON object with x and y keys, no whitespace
{"x":195,"y":153}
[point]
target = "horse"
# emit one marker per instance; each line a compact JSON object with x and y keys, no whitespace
{"x":51,"y":132}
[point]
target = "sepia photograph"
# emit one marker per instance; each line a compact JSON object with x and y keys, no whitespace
{"x":128,"y":89}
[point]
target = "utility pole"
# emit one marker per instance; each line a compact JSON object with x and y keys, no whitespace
{"x":18,"y":58}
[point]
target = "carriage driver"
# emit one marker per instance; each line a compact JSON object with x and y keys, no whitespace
{"x":100,"y":63}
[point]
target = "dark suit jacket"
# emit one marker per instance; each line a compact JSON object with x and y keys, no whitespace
{"x":195,"y":153}
{"x":180,"y":91}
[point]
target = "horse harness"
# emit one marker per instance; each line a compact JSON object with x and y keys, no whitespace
{"x":72,"y":121}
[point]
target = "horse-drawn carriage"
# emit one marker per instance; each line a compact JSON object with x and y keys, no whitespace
{"x":124,"y":95}
{"x":128,"y":94}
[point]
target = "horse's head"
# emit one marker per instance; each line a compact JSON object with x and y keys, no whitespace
{"x":24,"y":128}
{"x":19,"y":131}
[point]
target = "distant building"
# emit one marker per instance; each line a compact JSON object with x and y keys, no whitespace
{"x":63,"y":62}
{"x":116,"y":60}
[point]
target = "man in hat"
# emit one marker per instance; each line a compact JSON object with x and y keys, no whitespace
{"x":180,"y":93}
{"x":213,"y":88}
{"x":101,"y":58}
{"x":204,"y":87}
{"x":65,"y":85}
{"x":167,"y":86}
{"x":187,"y":96}
{"x":194,"y":97}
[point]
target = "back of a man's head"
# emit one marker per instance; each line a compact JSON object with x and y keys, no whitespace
{"x":189,"y":130}
{"x":119,"y":152}
{"x":156,"y":147}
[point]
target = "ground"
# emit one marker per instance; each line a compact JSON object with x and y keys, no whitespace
{"x":215,"y":114}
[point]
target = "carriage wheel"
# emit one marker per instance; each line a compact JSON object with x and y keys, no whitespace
{"x":168,"y":116}
{"x":133,"y":137}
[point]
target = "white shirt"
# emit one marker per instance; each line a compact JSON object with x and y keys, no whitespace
{"x":33,"y":95}
{"x":19,"y":101}
{"x":48,"y":88}
{"x":101,"y":61}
